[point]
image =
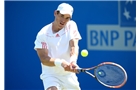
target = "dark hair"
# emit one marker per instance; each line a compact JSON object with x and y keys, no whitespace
{"x":58,"y":12}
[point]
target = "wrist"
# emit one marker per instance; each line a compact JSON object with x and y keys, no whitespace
{"x":73,"y":58}
{"x":58,"y":62}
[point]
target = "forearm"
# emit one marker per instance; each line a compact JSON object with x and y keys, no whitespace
{"x":53,"y":62}
{"x":74,"y":55}
{"x":74,"y":51}
{"x":48,"y":61}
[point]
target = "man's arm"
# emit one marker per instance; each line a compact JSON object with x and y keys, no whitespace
{"x":48,"y":61}
{"x":74,"y":50}
{"x":44,"y":58}
{"x":74,"y":40}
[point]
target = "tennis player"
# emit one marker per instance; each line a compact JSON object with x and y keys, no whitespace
{"x":57,"y":47}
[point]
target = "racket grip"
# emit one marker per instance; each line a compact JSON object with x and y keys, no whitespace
{"x":80,"y":70}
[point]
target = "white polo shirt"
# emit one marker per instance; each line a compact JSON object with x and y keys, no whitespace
{"x":57,"y":45}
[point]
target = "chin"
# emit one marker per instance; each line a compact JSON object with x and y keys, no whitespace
{"x":61,"y":26}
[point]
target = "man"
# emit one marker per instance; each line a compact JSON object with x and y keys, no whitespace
{"x":57,"y":47}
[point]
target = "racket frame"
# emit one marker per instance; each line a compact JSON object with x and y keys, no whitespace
{"x":104,"y":63}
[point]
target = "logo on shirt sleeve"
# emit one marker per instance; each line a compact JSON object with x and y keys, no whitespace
{"x":44,"y":45}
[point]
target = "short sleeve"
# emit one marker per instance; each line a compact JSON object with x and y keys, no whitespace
{"x":40,"y":41}
{"x":74,"y":33}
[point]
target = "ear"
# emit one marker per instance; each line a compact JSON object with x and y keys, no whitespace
{"x":55,"y":12}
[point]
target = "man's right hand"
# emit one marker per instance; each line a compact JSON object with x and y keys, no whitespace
{"x":68,"y":67}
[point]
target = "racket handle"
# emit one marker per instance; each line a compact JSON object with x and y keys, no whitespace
{"x":80,"y":70}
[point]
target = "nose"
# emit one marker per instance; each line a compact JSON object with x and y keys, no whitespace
{"x":63,"y":20}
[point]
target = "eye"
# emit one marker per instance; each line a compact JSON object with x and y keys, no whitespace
{"x":62,"y":15}
{"x":68,"y":18}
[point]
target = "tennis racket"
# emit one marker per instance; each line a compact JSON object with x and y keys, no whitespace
{"x":109,"y":74}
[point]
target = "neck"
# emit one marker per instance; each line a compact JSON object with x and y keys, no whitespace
{"x":55,"y":28}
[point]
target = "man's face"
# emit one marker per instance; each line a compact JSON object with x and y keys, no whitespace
{"x":61,"y":19}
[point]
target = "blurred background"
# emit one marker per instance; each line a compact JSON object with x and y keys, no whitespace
{"x":108,"y":30}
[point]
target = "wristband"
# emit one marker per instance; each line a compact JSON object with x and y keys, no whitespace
{"x":58,"y":62}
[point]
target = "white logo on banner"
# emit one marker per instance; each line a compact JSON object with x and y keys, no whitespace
{"x":115,"y":37}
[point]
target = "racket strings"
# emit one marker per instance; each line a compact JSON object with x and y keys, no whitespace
{"x":110,"y":74}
